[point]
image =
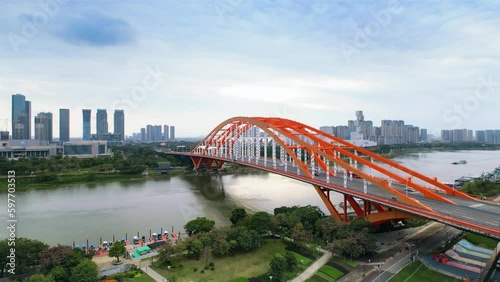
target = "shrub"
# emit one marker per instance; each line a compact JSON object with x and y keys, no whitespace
{"x":202,"y":271}
{"x":211,"y":263}
{"x":207,"y":267}
{"x":195,"y":269}
{"x":212,"y":268}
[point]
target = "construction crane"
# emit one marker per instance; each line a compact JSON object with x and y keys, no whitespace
{"x":5,"y":122}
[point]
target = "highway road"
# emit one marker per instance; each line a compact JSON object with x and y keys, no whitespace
{"x":476,"y":216}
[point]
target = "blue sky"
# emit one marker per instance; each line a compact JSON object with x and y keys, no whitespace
{"x":194,"y":63}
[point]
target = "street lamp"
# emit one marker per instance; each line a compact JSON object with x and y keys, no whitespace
{"x":270,"y":278}
{"x":409,"y":250}
{"x":379,"y":274}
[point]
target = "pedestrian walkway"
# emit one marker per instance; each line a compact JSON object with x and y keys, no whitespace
{"x":313,"y":268}
{"x":153,"y":274}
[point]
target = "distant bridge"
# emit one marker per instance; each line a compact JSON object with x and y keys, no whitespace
{"x":388,"y":190}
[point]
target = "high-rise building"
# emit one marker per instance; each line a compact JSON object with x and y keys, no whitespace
{"x":63,"y":125}
{"x":4,"y":135}
{"x":143,"y":134}
{"x":101,"y":123}
{"x":423,"y":134}
{"x":43,"y":127}
{"x":165,"y":132}
{"x":157,"y":133}
{"x":172,"y":132}
{"x":21,"y":117}
{"x":119,"y":123}
{"x":86,"y":124}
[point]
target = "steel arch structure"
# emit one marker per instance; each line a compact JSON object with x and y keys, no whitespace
{"x":302,"y":152}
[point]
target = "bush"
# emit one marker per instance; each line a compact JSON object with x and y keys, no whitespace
{"x":211,"y":263}
{"x":212,"y":268}
{"x":202,"y":271}
{"x":207,"y":267}
{"x":195,"y":269}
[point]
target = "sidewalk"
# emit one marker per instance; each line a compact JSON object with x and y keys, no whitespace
{"x":313,"y":268}
{"x":153,"y":274}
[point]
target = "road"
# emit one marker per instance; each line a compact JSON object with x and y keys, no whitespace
{"x":463,"y":215}
{"x":433,"y":236}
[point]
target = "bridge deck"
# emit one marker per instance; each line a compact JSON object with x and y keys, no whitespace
{"x":477,"y":216}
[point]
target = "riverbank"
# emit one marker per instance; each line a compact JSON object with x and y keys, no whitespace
{"x":45,"y":181}
{"x":88,"y":177}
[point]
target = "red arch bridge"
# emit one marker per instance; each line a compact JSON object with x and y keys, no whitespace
{"x":383,"y":190}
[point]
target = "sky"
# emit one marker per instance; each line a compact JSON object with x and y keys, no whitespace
{"x":196,"y":63}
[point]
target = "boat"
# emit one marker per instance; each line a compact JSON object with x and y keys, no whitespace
{"x":459,"y":162}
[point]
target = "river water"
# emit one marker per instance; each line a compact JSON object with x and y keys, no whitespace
{"x":80,"y":213}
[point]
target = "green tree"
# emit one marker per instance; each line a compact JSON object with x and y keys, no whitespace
{"x":195,"y":247}
{"x":27,"y":254}
{"x":40,"y":278}
{"x":199,"y":225}
{"x":165,"y":254}
{"x":237,"y":215}
{"x":59,"y":274}
{"x":262,"y":222}
{"x":300,"y":235}
{"x":85,"y":271}
{"x":291,"y":260}
{"x":278,"y":267}
{"x":206,"y":254}
{"x":117,"y":250}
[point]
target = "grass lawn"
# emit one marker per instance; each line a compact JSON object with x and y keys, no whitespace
{"x":481,"y":241}
{"x":316,"y":278}
{"x":302,"y":260}
{"x":346,"y":263}
{"x":228,"y":268}
{"x":331,"y":272}
{"x":142,"y":278}
{"x":423,"y":274}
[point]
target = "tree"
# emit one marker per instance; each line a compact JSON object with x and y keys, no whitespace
{"x":40,"y":278}
{"x":291,"y":260}
{"x":27,"y":254}
{"x":195,"y":247}
{"x":278,"y":267}
{"x":54,"y":256}
{"x":300,"y":235}
{"x":59,"y":274}
{"x":237,"y":215}
{"x":199,"y":225}
{"x":85,"y":271}
{"x":262,"y":222}
{"x":165,"y":254}
{"x":117,"y":250}
{"x":207,"y":254}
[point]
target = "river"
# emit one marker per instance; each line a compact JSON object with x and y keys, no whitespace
{"x":80,"y":213}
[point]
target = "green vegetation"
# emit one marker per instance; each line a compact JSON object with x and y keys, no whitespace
{"x":141,"y":277}
{"x":416,"y":272}
{"x":481,"y":241}
{"x":482,"y":188}
{"x":127,"y":162}
{"x":237,"y":266}
{"x":331,"y":272}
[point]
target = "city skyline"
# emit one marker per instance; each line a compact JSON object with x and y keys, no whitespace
{"x":315,"y":63}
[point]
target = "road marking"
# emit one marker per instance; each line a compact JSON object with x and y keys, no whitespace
{"x":476,"y":206}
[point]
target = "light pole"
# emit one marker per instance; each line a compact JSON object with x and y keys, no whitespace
{"x":270,"y":278}
{"x":409,"y":250}
{"x":379,"y":274}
